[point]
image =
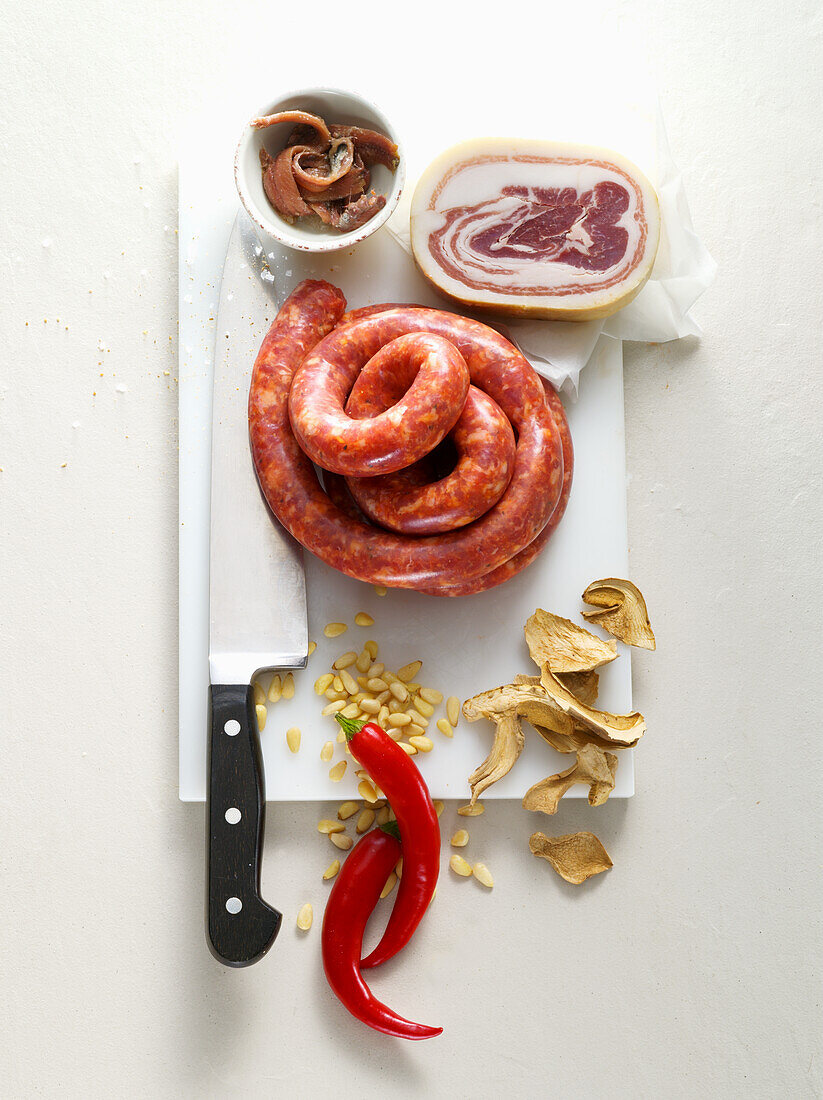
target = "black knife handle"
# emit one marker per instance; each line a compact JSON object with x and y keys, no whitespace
{"x":241,"y":926}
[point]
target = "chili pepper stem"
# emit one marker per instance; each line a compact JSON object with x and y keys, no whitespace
{"x":351,"y":726}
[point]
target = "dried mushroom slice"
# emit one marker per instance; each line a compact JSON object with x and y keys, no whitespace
{"x":575,"y":856}
{"x":593,"y":766}
{"x":584,"y":685}
{"x":621,"y":729}
{"x":574,"y":741}
{"x":563,"y":646}
{"x":622,"y":611}
{"x":499,"y":705}
{"x":506,"y":747}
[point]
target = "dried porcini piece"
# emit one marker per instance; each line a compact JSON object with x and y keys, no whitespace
{"x":500,"y":706}
{"x":622,"y":730}
{"x":622,"y":611}
{"x":564,"y":646}
{"x":593,"y":766}
{"x":575,"y":856}
{"x":584,"y":685}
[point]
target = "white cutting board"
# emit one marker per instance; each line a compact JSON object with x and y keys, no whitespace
{"x":467,"y":644}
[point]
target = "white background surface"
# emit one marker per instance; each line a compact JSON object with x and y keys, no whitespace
{"x":692,"y":968}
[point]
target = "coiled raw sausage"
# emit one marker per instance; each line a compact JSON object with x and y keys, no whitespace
{"x":445,"y":561}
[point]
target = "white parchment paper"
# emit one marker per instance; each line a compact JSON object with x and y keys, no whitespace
{"x":631,"y":123}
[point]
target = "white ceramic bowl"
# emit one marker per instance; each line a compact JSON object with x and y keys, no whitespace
{"x":309,"y":234}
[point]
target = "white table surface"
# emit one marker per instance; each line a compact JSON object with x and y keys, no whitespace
{"x":692,"y":968}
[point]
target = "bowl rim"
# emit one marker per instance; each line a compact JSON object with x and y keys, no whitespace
{"x":323,"y":243}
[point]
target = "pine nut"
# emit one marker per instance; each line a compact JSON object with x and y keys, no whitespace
{"x":399,"y":719}
{"x":453,"y":709}
{"x":337,"y":771}
{"x":349,"y":682}
{"x":327,"y":752}
{"x":288,"y":686}
{"x":334,"y":630}
{"x":293,"y":738}
{"x":395,"y":734}
{"x":345,"y":659}
{"x":383,"y":716}
{"x":363,"y":618}
{"x":337,"y":684}
{"x":363,"y":662}
{"x":460,"y":866}
{"x":370,"y":706}
{"x":409,"y":671}
{"x":483,"y":874}
{"x":347,"y":810}
{"x":460,"y":839}
{"x":409,"y":750}
{"x":261,"y":712}
{"x":374,"y":683}
{"x":422,"y":744}
{"x":312,"y":648}
{"x":332,"y":869}
{"x":258,"y":694}
{"x":445,"y":727}
{"x":399,"y":691}
{"x":305,"y":917}
{"x":362,"y":681}
{"x":341,"y":841}
{"x":379,"y":590}
{"x":391,"y":882}
{"x":376,"y":668}
{"x":415,"y":730}
{"x":323,"y":682}
{"x":276,"y":688}
{"x":382,"y":815}
{"x":431,"y":695}
{"x":333,"y":695}
{"x":424,"y":708}
{"x":398,"y":868}
{"x":351,"y":711}
{"x":383,"y":697}
{"x":439,"y":806}
{"x":389,"y":677}
{"x":367,"y":791}
{"x":472,"y":811}
{"x":329,"y":827}
{"x":333,"y":708}
{"x":394,"y":707}
{"x":371,"y":649}
{"x":341,"y":738}
{"x":365,"y":821}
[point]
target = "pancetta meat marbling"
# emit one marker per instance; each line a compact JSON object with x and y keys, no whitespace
{"x":535,"y":228}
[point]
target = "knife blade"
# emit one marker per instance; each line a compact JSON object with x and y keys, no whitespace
{"x":257,"y":616}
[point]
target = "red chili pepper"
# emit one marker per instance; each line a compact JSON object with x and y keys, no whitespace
{"x":401,"y":782}
{"x":354,"y":894}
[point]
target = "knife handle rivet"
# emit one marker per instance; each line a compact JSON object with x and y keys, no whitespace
{"x":232,"y":727}
{"x":233,"y":815}
{"x":234,"y":905}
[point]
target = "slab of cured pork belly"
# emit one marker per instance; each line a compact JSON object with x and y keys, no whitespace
{"x":535,"y":228}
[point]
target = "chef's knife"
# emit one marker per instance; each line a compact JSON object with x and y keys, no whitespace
{"x":257,"y":617}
